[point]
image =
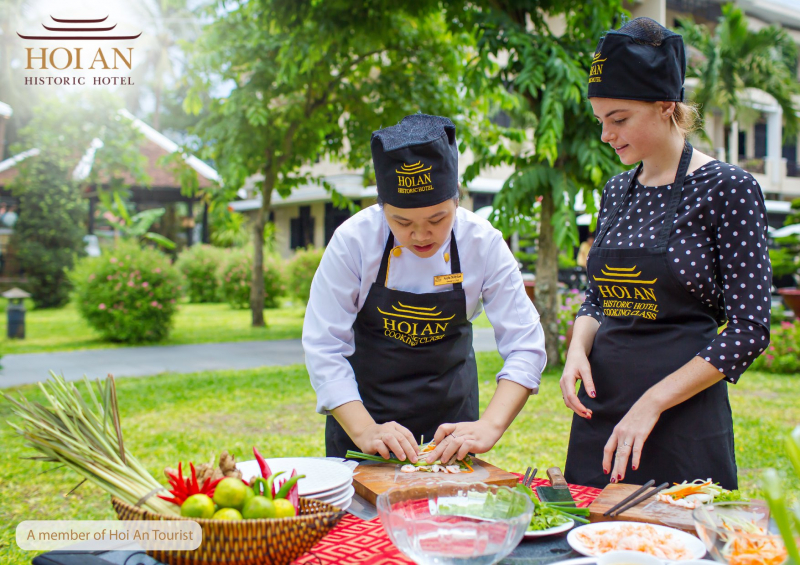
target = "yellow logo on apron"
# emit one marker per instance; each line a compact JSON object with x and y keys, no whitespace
{"x":414,"y":325}
{"x":623,"y":300}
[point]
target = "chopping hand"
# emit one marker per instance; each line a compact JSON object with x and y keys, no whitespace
{"x":479,"y":437}
{"x":371,"y":437}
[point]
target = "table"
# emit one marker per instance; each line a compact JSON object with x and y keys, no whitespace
{"x":357,"y":542}
{"x":366,"y":543}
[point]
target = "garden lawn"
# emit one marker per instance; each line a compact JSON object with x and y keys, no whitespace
{"x":170,"y":417}
{"x":65,"y":330}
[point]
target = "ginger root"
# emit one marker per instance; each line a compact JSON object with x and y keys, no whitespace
{"x":212,"y":471}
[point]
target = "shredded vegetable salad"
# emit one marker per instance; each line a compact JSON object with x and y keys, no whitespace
{"x":634,"y":537}
{"x":751,"y":544}
{"x":698,"y":492}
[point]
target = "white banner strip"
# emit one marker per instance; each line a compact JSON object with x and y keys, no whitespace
{"x":96,"y":535}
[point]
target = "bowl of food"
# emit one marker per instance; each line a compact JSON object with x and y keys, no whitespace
{"x":739,"y":533}
{"x":445,"y":522}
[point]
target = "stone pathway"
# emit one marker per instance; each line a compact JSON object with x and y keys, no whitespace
{"x":19,"y":369}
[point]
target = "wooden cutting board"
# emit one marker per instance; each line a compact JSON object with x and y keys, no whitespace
{"x":650,"y":511}
{"x":371,"y":479}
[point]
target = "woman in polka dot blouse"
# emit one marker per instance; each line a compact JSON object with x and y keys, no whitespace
{"x":680,"y":250}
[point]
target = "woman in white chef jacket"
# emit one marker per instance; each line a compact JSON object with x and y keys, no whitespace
{"x":387,"y":333}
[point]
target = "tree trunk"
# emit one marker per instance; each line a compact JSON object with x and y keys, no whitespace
{"x":547,"y":281}
{"x":257,"y":282}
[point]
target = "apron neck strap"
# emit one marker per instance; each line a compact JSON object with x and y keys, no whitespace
{"x":675,"y":196}
{"x":674,"y":201}
{"x":455,"y":265}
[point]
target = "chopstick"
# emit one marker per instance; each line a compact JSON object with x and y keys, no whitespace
{"x":642,"y":498}
{"x":525,"y":478}
{"x":622,"y":503}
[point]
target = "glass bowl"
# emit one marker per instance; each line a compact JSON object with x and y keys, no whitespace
{"x":449,"y":523}
{"x":733,"y":530}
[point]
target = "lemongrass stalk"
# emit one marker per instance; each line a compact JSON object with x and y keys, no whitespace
{"x":88,"y":442}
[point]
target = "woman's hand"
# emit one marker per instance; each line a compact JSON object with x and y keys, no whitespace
{"x":463,"y":438}
{"x":577,"y":368}
{"x":386,"y":438}
{"x":627,"y":440}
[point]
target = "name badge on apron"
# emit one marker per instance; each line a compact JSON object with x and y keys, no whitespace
{"x":452,"y":278}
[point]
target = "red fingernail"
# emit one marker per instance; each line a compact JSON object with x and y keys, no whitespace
{"x":613,"y":480}
{"x":634,"y":467}
{"x":605,"y":471}
{"x":593,"y":394}
{"x":619,"y":477}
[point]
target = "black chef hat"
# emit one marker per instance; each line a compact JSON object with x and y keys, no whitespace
{"x":642,"y":60}
{"x":416,"y":161}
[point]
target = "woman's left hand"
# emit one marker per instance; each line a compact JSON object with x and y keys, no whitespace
{"x":463,"y":438}
{"x":627,"y":440}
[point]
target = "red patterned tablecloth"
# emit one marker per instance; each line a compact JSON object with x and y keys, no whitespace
{"x":355,"y":541}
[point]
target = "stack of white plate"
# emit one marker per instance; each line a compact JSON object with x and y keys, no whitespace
{"x":325,"y":480}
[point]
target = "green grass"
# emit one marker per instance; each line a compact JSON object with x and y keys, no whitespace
{"x":193,"y":417}
{"x":64,"y":329}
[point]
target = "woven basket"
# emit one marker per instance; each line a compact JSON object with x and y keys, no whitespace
{"x":246,"y":542}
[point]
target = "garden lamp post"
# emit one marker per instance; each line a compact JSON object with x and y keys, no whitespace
{"x":16,"y":312}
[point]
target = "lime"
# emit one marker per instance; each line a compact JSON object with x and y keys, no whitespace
{"x":284,"y":509}
{"x":230,"y":493}
{"x":198,"y":506}
{"x":259,"y":507}
{"x":227,"y":514}
{"x":248,"y":495}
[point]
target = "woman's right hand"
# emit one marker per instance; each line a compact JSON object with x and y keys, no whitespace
{"x":386,"y":438}
{"x":577,"y":368}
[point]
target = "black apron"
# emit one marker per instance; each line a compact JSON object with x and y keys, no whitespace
{"x":652,"y":326}
{"x":413,"y":359}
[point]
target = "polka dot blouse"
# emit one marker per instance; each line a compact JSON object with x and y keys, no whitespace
{"x":717,"y":248}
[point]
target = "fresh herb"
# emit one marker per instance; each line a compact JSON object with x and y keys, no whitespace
{"x":729,"y":496}
{"x":551,"y":514}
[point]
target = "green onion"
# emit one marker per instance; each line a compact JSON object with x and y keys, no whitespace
{"x":378,"y":458}
{"x":87,"y":438}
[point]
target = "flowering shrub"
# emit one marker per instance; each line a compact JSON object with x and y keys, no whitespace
{"x":129,"y":294}
{"x":781,"y":356}
{"x":570,"y":304}
{"x":237,"y":271}
{"x":301,"y":271}
{"x":199,"y":265}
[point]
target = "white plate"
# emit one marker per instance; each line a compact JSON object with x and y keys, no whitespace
{"x":345,"y":505}
{"x":333,"y":493}
{"x":696,"y":547}
{"x":339,"y":497}
{"x":321,"y":475}
{"x":551,"y":531}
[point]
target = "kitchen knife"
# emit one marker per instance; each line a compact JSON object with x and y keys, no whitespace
{"x":558,"y":491}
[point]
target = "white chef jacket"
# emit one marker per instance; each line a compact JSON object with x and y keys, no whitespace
{"x":350,"y":266}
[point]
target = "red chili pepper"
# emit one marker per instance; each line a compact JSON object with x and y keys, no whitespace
{"x":262,"y":464}
{"x":294,"y":494}
{"x":194,"y":478}
{"x":184,"y":487}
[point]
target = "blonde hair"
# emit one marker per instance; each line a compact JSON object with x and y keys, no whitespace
{"x":685,"y":118}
